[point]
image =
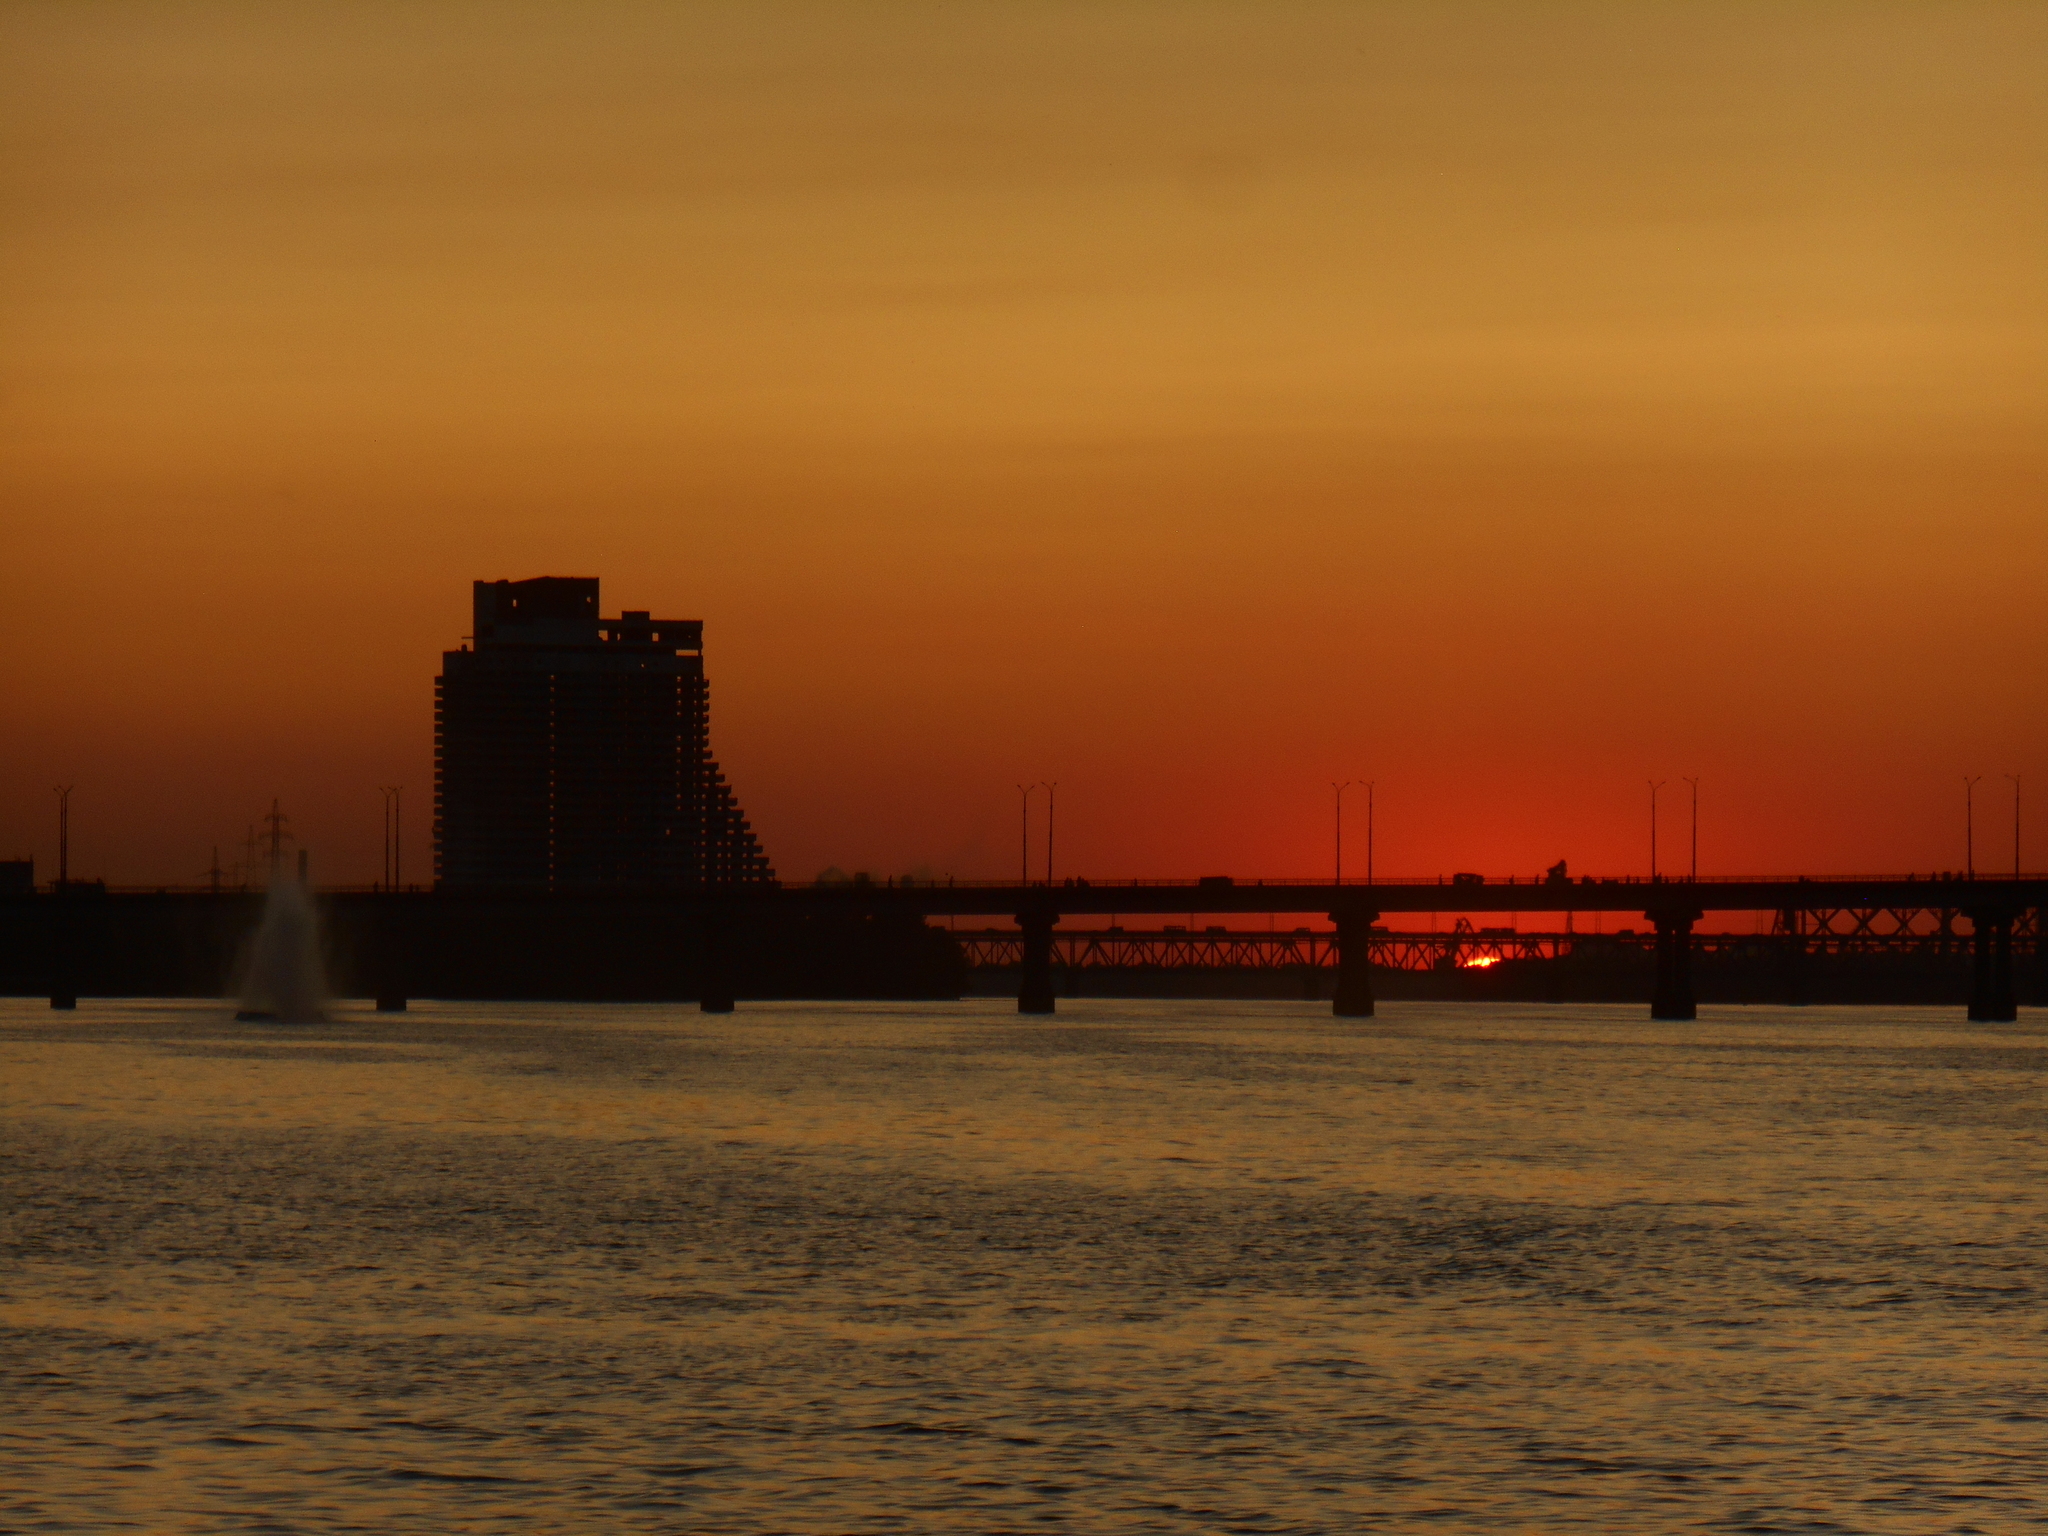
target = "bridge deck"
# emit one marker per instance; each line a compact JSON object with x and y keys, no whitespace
{"x":1158,"y":898}
{"x":1161,"y":898}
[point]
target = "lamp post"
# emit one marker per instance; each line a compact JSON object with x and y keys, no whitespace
{"x":1970,"y":826}
{"x":392,"y":871}
{"x":2015,"y":824}
{"x":1695,"y":783}
{"x":63,"y":794}
{"x":1368,"y":829}
{"x":1655,"y":785}
{"x":1340,"y":788}
{"x":1024,"y":833}
{"x":1049,"y":788}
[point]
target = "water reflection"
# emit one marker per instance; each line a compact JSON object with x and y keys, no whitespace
{"x":1141,"y":1266}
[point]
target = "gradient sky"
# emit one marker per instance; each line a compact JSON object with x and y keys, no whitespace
{"x":1191,"y":403}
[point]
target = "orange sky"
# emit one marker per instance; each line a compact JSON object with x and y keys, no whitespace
{"x":1192,"y":403}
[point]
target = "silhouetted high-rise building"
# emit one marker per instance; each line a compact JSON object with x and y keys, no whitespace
{"x":573,"y":752}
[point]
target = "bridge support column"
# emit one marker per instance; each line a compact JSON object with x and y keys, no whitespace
{"x":2005,"y":996}
{"x":1792,"y":920}
{"x":714,"y":977}
{"x":1034,"y":989}
{"x":1991,"y":994}
{"x":1673,"y":997}
{"x":392,"y":956}
{"x":2040,"y":995}
{"x":63,"y":956}
{"x":1353,"y":999}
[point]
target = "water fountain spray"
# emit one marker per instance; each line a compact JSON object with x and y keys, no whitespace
{"x":286,"y":983}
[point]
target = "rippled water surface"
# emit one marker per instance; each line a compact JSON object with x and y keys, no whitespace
{"x":1146,"y":1266}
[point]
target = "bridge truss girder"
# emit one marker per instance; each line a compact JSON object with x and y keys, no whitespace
{"x":1838,"y":931}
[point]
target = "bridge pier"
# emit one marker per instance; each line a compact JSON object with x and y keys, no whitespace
{"x":63,"y":959}
{"x":1792,"y":921}
{"x":2040,"y":994}
{"x":2004,"y":995}
{"x":1673,"y":997}
{"x":392,"y":959}
{"x":714,"y":975}
{"x":1353,"y":998}
{"x":1991,"y":993}
{"x":1034,"y":989}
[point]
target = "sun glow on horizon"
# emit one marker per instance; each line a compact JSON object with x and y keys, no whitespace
{"x":1190,"y":403}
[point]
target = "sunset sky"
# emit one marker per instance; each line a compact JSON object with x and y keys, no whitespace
{"x":1190,"y":403}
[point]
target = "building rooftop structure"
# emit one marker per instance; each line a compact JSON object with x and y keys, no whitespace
{"x":572,"y":751}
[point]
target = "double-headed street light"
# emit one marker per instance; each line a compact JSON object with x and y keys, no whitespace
{"x":1367,"y":786}
{"x":1369,"y":783}
{"x":393,"y":874}
{"x":1049,"y":788}
{"x":1340,"y":788}
{"x":1024,"y":833}
{"x":1695,"y":783}
{"x":2015,"y":824}
{"x":63,"y":794}
{"x":1655,"y":785}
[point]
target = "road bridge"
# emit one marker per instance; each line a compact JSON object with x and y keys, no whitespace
{"x":1217,"y":947}
{"x":1819,"y":912}
{"x":1991,"y":906}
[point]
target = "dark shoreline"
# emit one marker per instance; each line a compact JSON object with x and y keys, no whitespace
{"x":178,"y":944}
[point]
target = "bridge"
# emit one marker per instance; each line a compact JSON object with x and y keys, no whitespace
{"x":54,"y":934}
{"x":1464,"y":946}
{"x":1810,"y":908}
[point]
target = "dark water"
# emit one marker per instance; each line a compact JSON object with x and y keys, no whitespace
{"x":1170,"y":1267}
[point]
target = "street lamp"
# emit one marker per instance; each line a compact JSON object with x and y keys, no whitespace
{"x":1368,"y":829}
{"x":1024,"y":833}
{"x":1655,"y":785}
{"x":63,"y":794}
{"x":2015,"y":824}
{"x":393,"y":874}
{"x":1049,"y":788}
{"x":1695,"y":783}
{"x":1970,"y":826}
{"x":1340,"y":788}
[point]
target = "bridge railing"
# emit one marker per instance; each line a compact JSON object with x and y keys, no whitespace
{"x":1407,"y":882}
{"x":1194,"y":886}
{"x":1414,"y":950}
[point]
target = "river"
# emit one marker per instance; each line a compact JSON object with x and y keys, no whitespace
{"x":932,"y":1267}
